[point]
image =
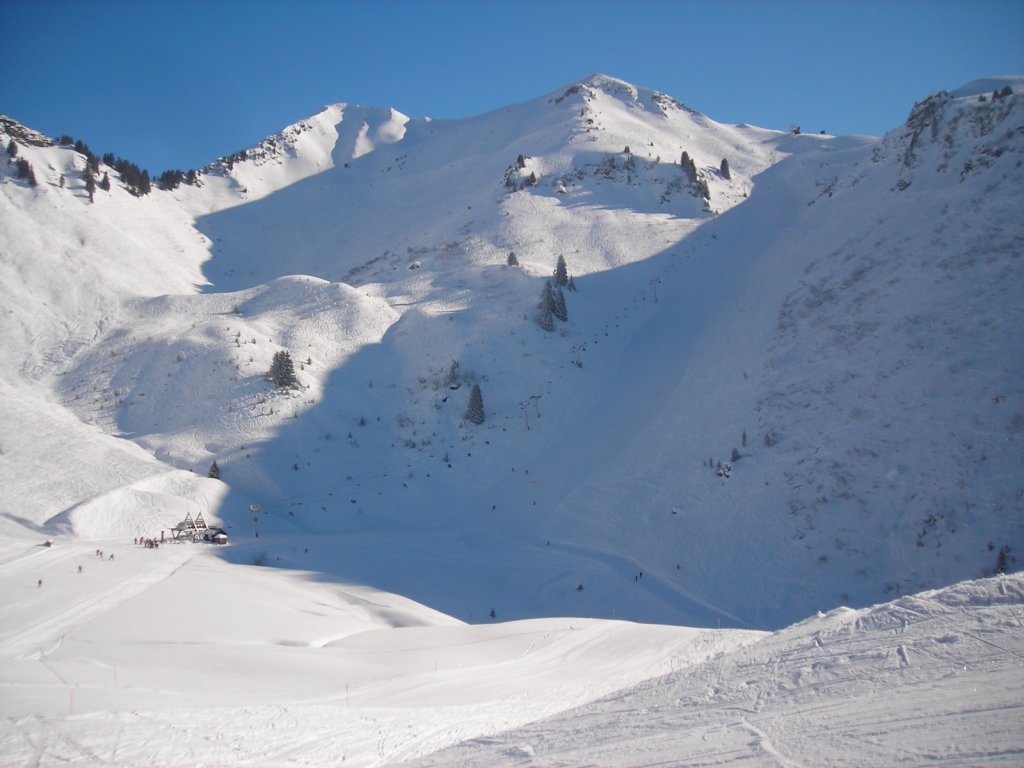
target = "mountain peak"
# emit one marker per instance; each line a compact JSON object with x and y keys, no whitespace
{"x":621,"y":90}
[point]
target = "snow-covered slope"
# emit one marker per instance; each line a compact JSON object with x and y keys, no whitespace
{"x":785,"y":382}
{"x":841,"y":313}
{"x":932,"y":679}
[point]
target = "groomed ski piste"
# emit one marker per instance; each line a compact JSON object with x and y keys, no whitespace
{"x":173,"y":657}
{"x":796,"y":392}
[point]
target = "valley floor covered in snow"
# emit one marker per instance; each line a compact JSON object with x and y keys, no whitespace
{"x":173,"y":657}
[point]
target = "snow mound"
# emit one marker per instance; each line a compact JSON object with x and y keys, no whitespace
{"x":145,"y":508}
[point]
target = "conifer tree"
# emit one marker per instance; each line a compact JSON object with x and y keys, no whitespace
{"x":282,"y":370}
{"x":561,"y":272}
{"x":475,"y":409}
{"x":558,"y":308}
{"x":512,"y":260}
{"x":545,"y":318}
{"x":452,"y":379}
{"x":726,"y":173}
{"x":214,"y":471}
{"x":689,"y":167}
{"x":1003,"y":559}
{"x":104,"y":183}
{"x":12,"y":148}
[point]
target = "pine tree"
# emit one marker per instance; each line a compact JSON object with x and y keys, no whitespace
{"x":561,"y":272}
{"x":282,"y":370}
{"x":475,"y":409}
{"x":512,"y":260}
{"x":1003,"y":559}
{"x":12,"y":148}
{"x":546,"y":309}
{"x":726,"y":173}
{"x":689,"y":167}
{"x":90,"y":187}
{"x":452,"y":379}
{"x":214,"y":471}
{"x":104,"y":183}
{"x":558,"y":308}
{"x":25,"y":171}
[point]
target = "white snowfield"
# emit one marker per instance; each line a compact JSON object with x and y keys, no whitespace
{"x":931,"y":679}
{"x":785,"y":382}
{"x":172,"y":657}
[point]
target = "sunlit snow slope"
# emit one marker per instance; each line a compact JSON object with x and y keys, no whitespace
{"x":842,"y":315}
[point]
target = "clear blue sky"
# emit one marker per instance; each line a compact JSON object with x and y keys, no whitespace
{"x":176,"y":84}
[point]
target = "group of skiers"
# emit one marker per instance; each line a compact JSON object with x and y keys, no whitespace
{"x":99,"y":554}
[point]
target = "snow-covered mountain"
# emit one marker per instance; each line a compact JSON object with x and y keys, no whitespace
{"x":789,"y":377}
{"x":842,"y":313}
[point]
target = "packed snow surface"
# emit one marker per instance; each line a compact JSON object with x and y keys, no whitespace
{"x":172,"y":657}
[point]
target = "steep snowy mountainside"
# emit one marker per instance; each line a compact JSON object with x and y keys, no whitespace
{"x":332,"y":137}
{"x":861,"y":358}
{"x":68,"y":267}
{"x":68,"y":261}
{"x":458,"y":184}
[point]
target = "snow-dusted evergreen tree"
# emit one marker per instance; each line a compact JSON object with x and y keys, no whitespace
{"x":546,"y":309}
{"x":558,"y":305}
{"x":282,"y":370}
{"x":726,"y":173}
{"x":561,"y":271}
{"x":475,"y":409}
{"x":689,"y":167}
{"x":1003,"y":560}
{"x":25,"y":171}
{"x":702,"y":189}
{"x":12,"y":148}
{"x":452,"y":379}
{"x":512,"y":260}
{"x":214,"y":471}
